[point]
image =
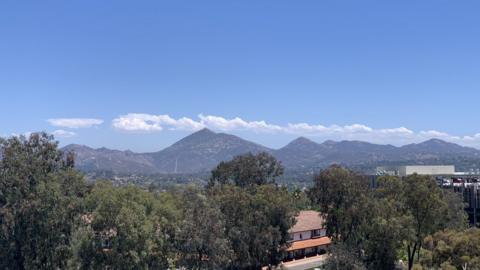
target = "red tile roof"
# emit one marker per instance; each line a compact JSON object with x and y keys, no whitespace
{"x":307,"y":221}
{"x":315,"y":242}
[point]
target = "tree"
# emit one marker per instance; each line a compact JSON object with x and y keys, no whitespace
{"x":257,"y":221}
{"x":455,"y":249}
{"x":384,"y":231}
{"x":418,"y":208}
{"x":342,"y":258}
{"x":455,"y":216}
{"x":358,"y":219}
{"x":376,"y":224}
{"x":343,"y":198}
{"x":124,"y":228}
{"x":301,"y":200}
{"x":424,"y":208}
{"x":201,"y":239}
{"x":247,"y":170}
{"x":40,"y":200}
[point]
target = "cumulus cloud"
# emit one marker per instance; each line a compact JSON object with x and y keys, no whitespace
{"x":75,"y":122}
{"x":60,"y":133}
{"x":220,"y":123}
{"x":141,"y":122}
{"x":149,"y":122}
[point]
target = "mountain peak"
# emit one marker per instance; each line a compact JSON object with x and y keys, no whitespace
{"x":300,"y":143}
{"x":204,"y":131}
{"x":204,"y":149}
{"x":201,"y":134}
{"x":302,"y":140}
{"x":440,"y":146}
{"x":435,"y":141}
{"x":432,"y":143}
{"x":74,"y":146}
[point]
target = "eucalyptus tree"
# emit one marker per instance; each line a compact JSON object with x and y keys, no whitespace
{"x":40,"y":202}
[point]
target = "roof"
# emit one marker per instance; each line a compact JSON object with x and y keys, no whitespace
{"x":315,"y":242}
{"x":307,"y":221}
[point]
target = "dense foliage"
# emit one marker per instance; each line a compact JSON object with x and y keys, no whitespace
{"x":41,"y":197}
{"x":257,"y":223}
{"x":51,"y":218}
{"x":452,"y":250}
{"x":247,"y":170}
{"x":379,"y":225}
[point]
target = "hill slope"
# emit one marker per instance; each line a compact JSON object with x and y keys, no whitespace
{"x":204,"y":149}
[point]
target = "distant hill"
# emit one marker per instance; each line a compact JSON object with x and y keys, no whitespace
{"x":204,"y":149}
{"x":301,"y":153}
{"x":103,"y":159}
{"x":198,"y":152}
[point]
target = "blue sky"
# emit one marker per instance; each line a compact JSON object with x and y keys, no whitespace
{"x":382,"y":71}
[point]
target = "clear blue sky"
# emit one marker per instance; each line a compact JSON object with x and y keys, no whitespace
{"x":381,"y":64}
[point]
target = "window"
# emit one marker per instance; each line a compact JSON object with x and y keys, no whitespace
{"x":317,"y":233}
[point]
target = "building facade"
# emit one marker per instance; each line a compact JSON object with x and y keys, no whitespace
{"x":308,"y":237}
{"x":418,"y":169}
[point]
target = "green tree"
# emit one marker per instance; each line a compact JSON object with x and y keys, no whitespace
{"x":385,"y":232}
{"x":256,"y":223}
{"x":377,"y":224}
{"x":454,"y":249}
{"x":301,"y":200}
{"x":342,"y":258}
{"x":124,"y":228}
{"x":454,"y":216}
{"x":247,"y":170}
{"x":343,"y":199}
{"x":424,"y":211}
{"x":40,"y":201}
{"x":358,"y":219}
{"x":201,"y":240}
{"x":418,"y":208}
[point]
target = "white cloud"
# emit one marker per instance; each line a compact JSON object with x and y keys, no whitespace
{"x":60,"y":133}
{"x":400,"y":130}
{"x":397,"y":136}
{"x":434,"y":133}
{"x":75,"y":122}
{"x":220,"y":123}
{"x":148,"y":122}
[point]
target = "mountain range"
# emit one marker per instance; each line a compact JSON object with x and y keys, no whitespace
{"x":204,"y":149}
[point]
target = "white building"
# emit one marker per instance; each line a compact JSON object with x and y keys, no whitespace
{"x":307,"y":236}
{"x":418,"y":169}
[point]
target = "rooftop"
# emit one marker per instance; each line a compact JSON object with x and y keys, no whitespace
{"x":310,"y":243}
{"x":307,"y":221}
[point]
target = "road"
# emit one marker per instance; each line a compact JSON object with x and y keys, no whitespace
{"x":305,"y":263}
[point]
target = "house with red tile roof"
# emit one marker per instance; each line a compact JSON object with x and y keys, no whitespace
{"x":308,"y":236}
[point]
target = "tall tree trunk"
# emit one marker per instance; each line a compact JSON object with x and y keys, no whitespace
{"x":411,"y":255}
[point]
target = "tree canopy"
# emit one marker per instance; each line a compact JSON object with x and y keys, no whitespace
{"x":378,"y":225}
{"x":40,"y":199}
{"x":247,"y":170}
{"x":50,"y":218}
{"x":256,"y":224}
{"x":452,"y":249}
